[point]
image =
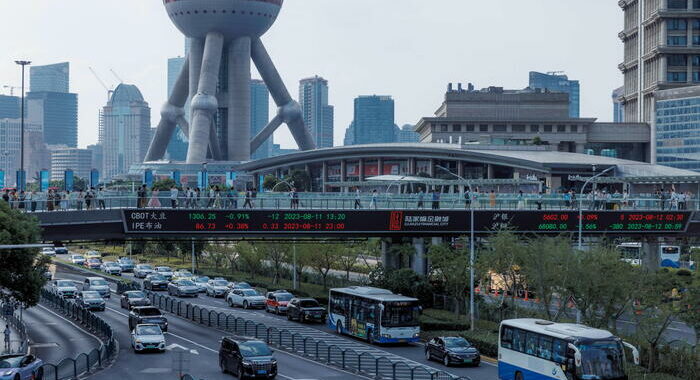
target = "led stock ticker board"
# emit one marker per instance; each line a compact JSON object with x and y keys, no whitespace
{"x":388,"y":222}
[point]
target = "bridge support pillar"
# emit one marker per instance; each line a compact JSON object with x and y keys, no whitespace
{"x":651,"y":258}
{"x":418,"y":260}
{"x":387,"y":256}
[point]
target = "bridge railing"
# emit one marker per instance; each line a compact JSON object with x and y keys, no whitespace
{"x":364,"y":363}
{"x":317,"y":201}
{"x":87,"y":362}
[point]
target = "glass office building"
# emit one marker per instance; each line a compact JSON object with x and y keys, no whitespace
{"x":373,"y":122}
{"x":9,"y":107}
{"x":678,"y":128}
{"x":260,"y":116}
{"x":557,"y":82}
{"x":317,"y":113}
{"x":177,"y":148}
{"x":50,"y":78}
{"x":57,"y":112}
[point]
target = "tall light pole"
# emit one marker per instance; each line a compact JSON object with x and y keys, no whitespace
{"x":580,"y":206}
{"x":472,"y":253}
{"x":22,"y":177}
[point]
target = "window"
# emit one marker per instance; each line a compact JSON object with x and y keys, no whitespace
{"x":574,"y":129}
{"x":561,"y":128}
{"x":677,"y":77}
{"x":519,"y":340}
{"x":544,"y":350}
{"x":696,"y":40}
{"x":548,"y":128}
{"x":499,"y":128}
{"x":677,"y":60}
{"x":696,"y":76}
{"x":676,"y":24}
{"x":677,"y":41}
{"x":456,"y":128}
{"x":696,"y":24}
{"x":483,"y":128}
{"x":507,"y":337}
{"x":443,"y":128}
{"x":559,"y":351}
{"x":519,"y":128}
{"x":534,"y":128}
{"x":696,"y":4}
{"x":677,"y":4}
{"x":531,"y":345}
{"x":470,"y":128}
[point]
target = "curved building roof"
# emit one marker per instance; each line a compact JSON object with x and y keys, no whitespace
{"x":532,"y":159}
{"x":125,"y":94}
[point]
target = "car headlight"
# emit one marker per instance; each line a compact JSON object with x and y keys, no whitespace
{"x":386,"y":336}
{"x":247,"y":363}
{"x":416,"y":335}
{"x":7,"y":373}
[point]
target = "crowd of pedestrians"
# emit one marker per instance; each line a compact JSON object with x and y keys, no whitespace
{"x":52,"y":200}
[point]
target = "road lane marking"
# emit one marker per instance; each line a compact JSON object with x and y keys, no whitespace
{"x":73,"y":324}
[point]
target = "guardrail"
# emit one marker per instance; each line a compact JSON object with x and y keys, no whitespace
{"x":87,"y":362}
{"x":377,"y":367}
{"x":19,"y":327}
{"x":318,"y":201}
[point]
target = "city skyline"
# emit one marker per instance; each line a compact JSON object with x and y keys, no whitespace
{"x":353,"y":67}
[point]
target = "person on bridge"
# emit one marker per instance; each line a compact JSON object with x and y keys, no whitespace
{"x":173,"y":196}
{"x":232,"y":196}
{"x":421,"y":195}
{"x":155,"y":201}
{"x":295,"y":198}
{"x":248,"y":199}
{"x":141,"y":197}
{"x":467,"y":197}
{"x":100,"y":196}
{"x":436,"y":199}
{"x":492,"y":199}
{"x":8,"y":335}
{"x":358,"y":197}
{"x":373,"y":203}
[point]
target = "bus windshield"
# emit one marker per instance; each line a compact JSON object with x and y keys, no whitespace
{"x":400,"y":314}
{"x":601,"y":360}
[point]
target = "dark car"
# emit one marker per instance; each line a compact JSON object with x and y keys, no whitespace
{"x":249,"y":359}
{"x":183,"y":288}
{"x":91,"y":300}
{"x":140,"y":315}
{"x":134,"y":298}
{"x":61,"y":250}
{"x":305,"y":310}
{"x":452,"y":350}
{"x":155,"y":281}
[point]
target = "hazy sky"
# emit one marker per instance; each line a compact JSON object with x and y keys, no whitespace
{"x":409,"y":49}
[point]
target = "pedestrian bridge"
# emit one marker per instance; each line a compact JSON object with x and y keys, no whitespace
{"x":234,"y":224}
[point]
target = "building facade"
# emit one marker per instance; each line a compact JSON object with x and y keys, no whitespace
{"x":661,"y":51}
{"x":317,"y":113}
{"x":559,"y":82}
{"x":494,"y":116}
{"x":260,"y":116}
{"x":618,"y":109}
{"x":177,"y":148}
{"x":10,"y":107}
{"x":97,"y":156}
{"x":57,"y":112}
{"x":407,"y":134}
{"x":373,"y":121}
{"x":50,"y":78}
{"x":678,"y":128}
{"x":10,"y":149}
{"x":78,"y":160}
{"x":125,"y":131}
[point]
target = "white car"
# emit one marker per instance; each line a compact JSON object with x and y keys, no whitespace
{"x":147,"y":337}
{"x":77,"y":259}
{"x":183,"y":273}
{"x":48,"y":251}
{"x":65,"y":288}
{"x":246,"y":298}
{"x":142,"y":270}
{"x":110,"y":267}
{"x":166,"y":272}
{"x":93,"y":254}
{"x":216,"y":288}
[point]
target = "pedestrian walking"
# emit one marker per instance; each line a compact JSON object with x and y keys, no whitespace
{"x":248,"y":199}
{"x":232,"y":198}
{"x":155,"y":200}
{"x":436,"y":200}
{"x":373,"y":202}
{"x":173,"y":196}
{"x":421,"y":196}
{"x":8,"y":336}
{"x":358,"y":199}
{"x":141,"y":197}
{"x":295,"y":198}
{"x":217,"y":197}
{"x":539,"y":200}
{"x":467,"y":198}
{"x":492,"y":199}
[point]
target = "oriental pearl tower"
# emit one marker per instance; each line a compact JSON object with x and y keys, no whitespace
{"x":224,"y":36}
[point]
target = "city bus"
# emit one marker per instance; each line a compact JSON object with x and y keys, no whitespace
{"x":376,"y":315}
{"x":538,"y":349}
{"x":670,"y":256}
{"x":631,"y":253}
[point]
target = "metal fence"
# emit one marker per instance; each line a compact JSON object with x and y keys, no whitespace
{"x":378,"y":367}
{"x":86,"y":362}
{"x":19,"y":327}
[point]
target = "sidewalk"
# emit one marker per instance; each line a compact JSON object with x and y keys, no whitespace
{"x":16,"y":345}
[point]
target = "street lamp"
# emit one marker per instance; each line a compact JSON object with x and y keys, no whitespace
{"x":22,"y":180}
{"x":580,"y":205}
{"x":471,"y":253}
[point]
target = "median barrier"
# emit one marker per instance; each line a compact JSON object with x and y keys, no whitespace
{"x":367,"y":364}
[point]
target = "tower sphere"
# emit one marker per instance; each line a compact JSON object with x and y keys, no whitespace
{"x":232,"y":18}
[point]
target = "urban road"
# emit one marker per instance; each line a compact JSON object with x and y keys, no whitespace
{"x":202,"y":344}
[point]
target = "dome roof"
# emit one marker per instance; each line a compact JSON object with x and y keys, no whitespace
{"x":125,"y":94}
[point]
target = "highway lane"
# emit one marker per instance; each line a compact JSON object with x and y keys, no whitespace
{"x":413,"y":354}
{"x":53,"y":337}
{"x":200,"y":355}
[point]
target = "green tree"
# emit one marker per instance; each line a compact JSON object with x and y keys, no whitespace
{"x":451,"y":267}
{"x":300,"y":179}
{"x":324,"y":258}
{"x":252,"y":257}
{"x":503,"y":259}
{"x":78,"y":184}
{"x":305,"y":255}
{"x":277,"y":254}
{"x":216,"y":253}
{"x":21,"y":270}
{"x":690,"y":312}
{"x":269,"y":182}
{"x":164,"y":184}
{"x":348,"y":259}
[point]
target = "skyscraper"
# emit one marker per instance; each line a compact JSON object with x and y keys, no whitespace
{"x":177,"y":148}
{"x":10,"y":148}
{"x":50,"y":78}
{"x":618,"y":109}
{"x":78,"y":160}
{"x":374,"y":121}
{"x":50,"y":104}
{"x":407,"y":134}
{"x":558,"y":82}
{"x":260,"y":116}
{"x":9,"y":107}
{"x":317,"y":114}
{"x":125,"y":131}
{"x":670,"y":58}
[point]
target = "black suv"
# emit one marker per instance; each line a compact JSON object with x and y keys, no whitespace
{"x":147,"y":315}
{"x":249,"y":359}
{"x":305,"y":310}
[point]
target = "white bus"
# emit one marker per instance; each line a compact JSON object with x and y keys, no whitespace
{"x":670,"y":256}
{"x":532,"y":349}
{"x":374,"y":314}
{"x":631,"y":253}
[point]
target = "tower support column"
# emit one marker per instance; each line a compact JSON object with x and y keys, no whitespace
{"x":239,"y":100}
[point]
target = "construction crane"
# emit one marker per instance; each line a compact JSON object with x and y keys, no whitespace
{"x":12,"y":89}
{"x":116,"y":76}
{"x":109,"y":90}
